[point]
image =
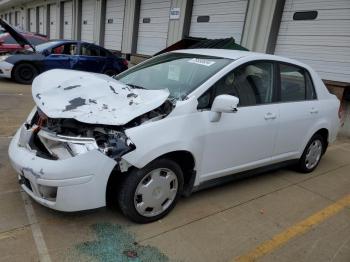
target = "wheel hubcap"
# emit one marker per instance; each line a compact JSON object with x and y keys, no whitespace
{"x":313,"y":154}
{"x":26,"y":74}
{"x":156,"y":192}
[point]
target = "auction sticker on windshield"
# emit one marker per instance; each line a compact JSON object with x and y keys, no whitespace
{"x":199,"y":61}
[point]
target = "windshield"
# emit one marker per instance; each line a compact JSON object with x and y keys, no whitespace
{"x":43,"y":46}
{"x":177,"y":72}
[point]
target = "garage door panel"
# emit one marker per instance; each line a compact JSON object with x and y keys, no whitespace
{"x":41,"y":20}
{"x":215,"y":8}
{"x":67,"y":19}
{"x":152,"y":35}
{"x":222,"y":18}
{"x":337,"y":41}
{"x":53,"y":21}
{"x":32,"y":20}
{"x":335,"y":76}
{"x":88,"y":20}
{"x":226,"y":19}
{"x":322,"y":43}
{"x":114,"y":24}
{"x":336,"y":27}
{"x":322,"y":14}
{"x":312,"y":52}
{"x":302,"y":5}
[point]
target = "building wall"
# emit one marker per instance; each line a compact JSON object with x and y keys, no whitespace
{"x":260,"y":31}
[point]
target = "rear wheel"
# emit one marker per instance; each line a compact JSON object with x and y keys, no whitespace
{"x":150,"y":193}
{"x":312,"y":154}
{"x":25,"y":73}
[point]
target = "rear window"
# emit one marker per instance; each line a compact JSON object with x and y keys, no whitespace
{"x":296,"y":84}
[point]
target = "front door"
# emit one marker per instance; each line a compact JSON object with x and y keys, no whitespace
{"x":243,"y":139}
{"x":63,"y":56}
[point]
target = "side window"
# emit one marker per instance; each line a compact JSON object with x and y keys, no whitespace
{"x":66,"y":49}
{"x":90,"y":50}
{"x":251,"y":83}
{"x":296,"y":84}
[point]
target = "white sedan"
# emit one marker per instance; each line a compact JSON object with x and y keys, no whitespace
{"x":168,"y":127}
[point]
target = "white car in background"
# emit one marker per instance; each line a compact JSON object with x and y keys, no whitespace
{"x":167,"y":127}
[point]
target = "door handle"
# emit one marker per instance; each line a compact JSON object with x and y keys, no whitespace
{"x":270,"y":115}
{"x":313,"y":111}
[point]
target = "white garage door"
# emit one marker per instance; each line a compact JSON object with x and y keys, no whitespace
{"x":32,"y":20}
{"x":67,"y":19}
{"x":17,"y":18}
{"x":41,"y":20}
{"x":323,"y":41}
{"x":87,"y":20}
{"x":218,"y":19}
{"x":114,"y":24}
{"x":11,"y":18}
{"x":153,"y":26}
{"x":53,"y":21}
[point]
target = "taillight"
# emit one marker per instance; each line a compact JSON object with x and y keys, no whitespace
{"x":125,"y":62}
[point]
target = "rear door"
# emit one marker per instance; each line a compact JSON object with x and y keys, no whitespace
{"x":298,"y":109}
{"x":90,"y":58}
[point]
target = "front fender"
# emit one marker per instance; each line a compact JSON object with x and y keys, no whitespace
{"x":170,"y":134}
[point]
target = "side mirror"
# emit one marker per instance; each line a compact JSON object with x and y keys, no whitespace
{"x":223,"y":104}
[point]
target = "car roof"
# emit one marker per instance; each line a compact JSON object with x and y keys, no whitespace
{"x":237,"y":54}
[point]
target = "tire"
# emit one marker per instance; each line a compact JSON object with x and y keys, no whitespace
{"x":145,"y":197}
{"x":110,"y":72}
{"x":312,"y":154}
{"x":25,"y":73}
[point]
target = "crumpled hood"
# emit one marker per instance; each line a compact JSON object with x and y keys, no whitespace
{"x":92,"y":98}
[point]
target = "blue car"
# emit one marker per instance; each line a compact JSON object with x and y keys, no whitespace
{"x":24,"y":66}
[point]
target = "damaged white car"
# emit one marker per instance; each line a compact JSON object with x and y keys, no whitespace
{"x":167,"y":127}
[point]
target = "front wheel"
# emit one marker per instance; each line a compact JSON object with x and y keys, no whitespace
{"x":312,"y":154}
{"x":150,"y":193}
{"x":25,"y":73}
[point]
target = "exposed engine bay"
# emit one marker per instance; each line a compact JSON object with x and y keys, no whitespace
{"x":111,"y":140}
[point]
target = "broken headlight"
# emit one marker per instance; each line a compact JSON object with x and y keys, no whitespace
{"x":63,"y":147}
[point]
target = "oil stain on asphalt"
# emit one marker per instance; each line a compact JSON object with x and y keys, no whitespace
{"x":115,"y":244}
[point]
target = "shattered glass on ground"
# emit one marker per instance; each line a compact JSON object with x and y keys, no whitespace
{"x":114,"y":243}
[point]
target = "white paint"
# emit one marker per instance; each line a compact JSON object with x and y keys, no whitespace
{"x":323,"y":43}
{"x":68,"y":20}
{"x":38,"y":237}
{"x":41,"y":20}
{"x":114,"y":24}
{"x":32,"y":20}
{"x":152,"y":36}
{"x":53,"y":21}
{"x":226,"y":18}
{"x":119,"y":111}
{"x":223,"y":145}
{"x":88,"y":20}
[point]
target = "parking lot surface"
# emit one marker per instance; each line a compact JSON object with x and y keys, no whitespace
{"x":277,"y":216}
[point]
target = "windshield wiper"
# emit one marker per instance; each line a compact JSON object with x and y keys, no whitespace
{"x":135,"y":86}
